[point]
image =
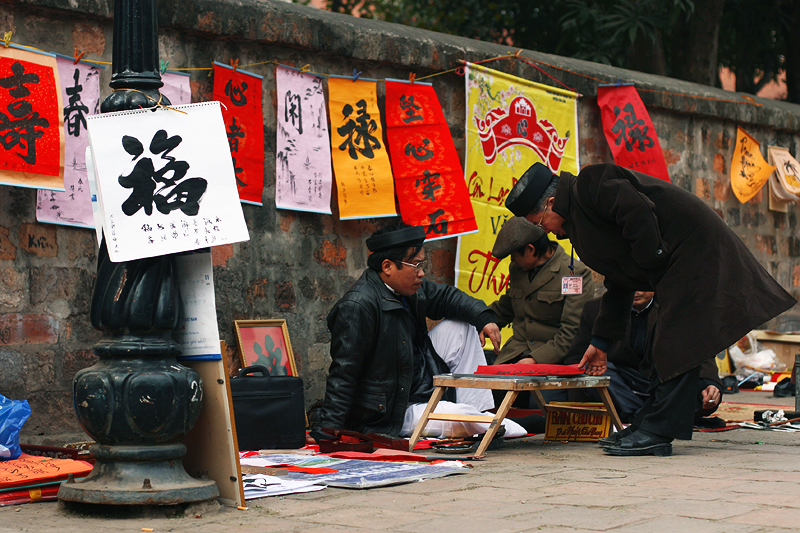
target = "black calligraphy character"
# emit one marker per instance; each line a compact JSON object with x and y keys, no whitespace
{"x":236,"y":172}
{"x":789,"y":168}
{"x":234,"y":134}
{"x":420,"y":153}
{"x":440,"y":227}
{"x":358,"y":132}
{"x":429,"y":185}
{"x":293,"y":111}
{"x":174,"y":192}
{"x":408,"y":105}
{"x":236,"y":93}
{"x":23,"y":131}
{"x":630,"y":130}
{"x":75,"y":106}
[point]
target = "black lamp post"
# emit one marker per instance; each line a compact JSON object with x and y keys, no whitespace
{"x":137,"y":402}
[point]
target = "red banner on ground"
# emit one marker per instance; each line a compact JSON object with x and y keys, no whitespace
{"x":240,"y":92}
{"x":630,"y":132}
{"x":429,"y":179}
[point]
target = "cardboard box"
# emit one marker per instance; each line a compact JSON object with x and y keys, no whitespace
{"x":785,"y":345}
{"x":577,"y":427}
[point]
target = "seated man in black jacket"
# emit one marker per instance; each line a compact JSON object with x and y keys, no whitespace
{"x":629,"y":363}
{"x":383,"y":358}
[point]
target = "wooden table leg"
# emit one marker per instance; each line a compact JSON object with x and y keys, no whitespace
{"x":612,"y":411}
{"x":438,"y":392}
{"x":540,"y":400}
{"x":495,"y":424}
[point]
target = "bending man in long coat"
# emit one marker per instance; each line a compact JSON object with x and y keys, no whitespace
{"x":645,"y":234}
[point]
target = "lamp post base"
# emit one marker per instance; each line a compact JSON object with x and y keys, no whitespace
{"x":138,"y":475}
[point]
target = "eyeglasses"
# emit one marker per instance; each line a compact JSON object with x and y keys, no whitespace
{"x":542,"y":217}
{"x":422,"y":265}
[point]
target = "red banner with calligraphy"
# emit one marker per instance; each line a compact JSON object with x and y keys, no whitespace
{"x":31,"y":122}
{"x":630,"y":132}
{"x":429,"y":179}
{"x":240,"y":92}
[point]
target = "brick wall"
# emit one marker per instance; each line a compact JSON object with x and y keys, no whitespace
{"x":296,"y":265}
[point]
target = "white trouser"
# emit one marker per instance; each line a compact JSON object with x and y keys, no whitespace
{"x":459,"y":345}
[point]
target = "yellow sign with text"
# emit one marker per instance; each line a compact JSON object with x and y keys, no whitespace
{"x":577,"y":427}
{"x":512,"y":123}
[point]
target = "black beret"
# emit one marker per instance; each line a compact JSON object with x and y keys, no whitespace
{"x":408,"y":237}
{"x":515,"y":233}
{"x":528,"y":190}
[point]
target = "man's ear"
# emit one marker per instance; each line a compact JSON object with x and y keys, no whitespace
{"x":386,"y":266}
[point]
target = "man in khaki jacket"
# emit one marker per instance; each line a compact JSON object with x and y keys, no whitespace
{"x":544,"y":320}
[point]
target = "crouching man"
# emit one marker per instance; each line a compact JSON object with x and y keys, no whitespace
{"x":383,"y":358}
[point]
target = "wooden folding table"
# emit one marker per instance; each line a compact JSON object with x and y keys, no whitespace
{"x":513,"y":385}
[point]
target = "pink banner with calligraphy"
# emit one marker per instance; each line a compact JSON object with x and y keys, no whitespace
{"x":176,"y":87}
{"x":630,"y":132}
{"x":428,"y":176}
{"x":303,"y":175}
{"x":31,"y":120}
{"x":240,"y":93}
{"x":80,"y":88}
{"x":360,"y":162}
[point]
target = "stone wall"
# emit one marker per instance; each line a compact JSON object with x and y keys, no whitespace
{"x":296,"y":265}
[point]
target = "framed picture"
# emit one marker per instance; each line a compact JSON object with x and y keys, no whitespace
{"x":266,"y":343}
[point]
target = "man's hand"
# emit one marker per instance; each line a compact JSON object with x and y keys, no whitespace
{"x":493,"y":332}
{"x":710,"y":397}
{"x":594,"y":361}
{"x":527,"y":361}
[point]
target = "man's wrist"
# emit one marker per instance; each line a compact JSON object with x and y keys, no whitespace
{"x":601,"y":343}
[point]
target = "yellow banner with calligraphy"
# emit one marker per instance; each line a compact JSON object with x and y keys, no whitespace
{"x":749,"y":171}
{"x":512,"y":123}
{"x":360,"y":161}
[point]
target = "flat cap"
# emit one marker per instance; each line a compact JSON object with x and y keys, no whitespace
{"x":515,"y":233}
{"x":528,"y":190}
{"x":407,"y":236}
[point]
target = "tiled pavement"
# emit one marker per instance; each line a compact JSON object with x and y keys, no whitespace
{"x":738,"y":481}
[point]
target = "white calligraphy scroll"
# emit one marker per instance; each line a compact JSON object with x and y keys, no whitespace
{"x":197,"y":331}
{"x":165,"y":181}
{"x":176,"y":87}
{"x":303,"y":176}
{"x":80,"y":94}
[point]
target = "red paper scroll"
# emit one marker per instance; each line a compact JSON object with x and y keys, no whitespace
{"x":630,"y":132}
{"x":431,"y":190}
{"x":240,"y":92}
{"x":31,"y":124}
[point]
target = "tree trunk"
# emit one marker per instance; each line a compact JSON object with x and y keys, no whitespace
{"x":647,"y":55}
{"x":695,"y":44}
{"x":791,"y":63}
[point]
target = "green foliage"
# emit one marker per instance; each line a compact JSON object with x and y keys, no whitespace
{"x":622,"y":33}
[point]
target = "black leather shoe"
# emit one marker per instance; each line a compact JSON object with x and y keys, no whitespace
{"x":614,"y":437}
{"x":641,"y":442}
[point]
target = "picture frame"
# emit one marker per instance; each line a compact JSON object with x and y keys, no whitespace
{"x":266,"y":343}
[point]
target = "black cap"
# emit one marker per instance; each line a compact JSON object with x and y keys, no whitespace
{"x":408,"y":236}
{"x":528,"y":190}
{"x":515,"y":233}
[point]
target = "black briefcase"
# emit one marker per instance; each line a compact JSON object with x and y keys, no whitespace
{"x":268,"y":410}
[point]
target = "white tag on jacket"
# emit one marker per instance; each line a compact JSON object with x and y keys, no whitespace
{"x":572,"y":285}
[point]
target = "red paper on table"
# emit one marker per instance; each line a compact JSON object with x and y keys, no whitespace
{"x":529,"y":370}
{"x":241,"y":93}
{"x":31,"y":122}
{"x":32,"y":469}
{"x":429,"y":179}
{"x":630,"y":132}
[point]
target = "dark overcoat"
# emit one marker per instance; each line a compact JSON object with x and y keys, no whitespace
{"x":643,"y":233}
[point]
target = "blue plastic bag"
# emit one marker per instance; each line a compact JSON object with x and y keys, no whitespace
{"x":13,"y":414}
